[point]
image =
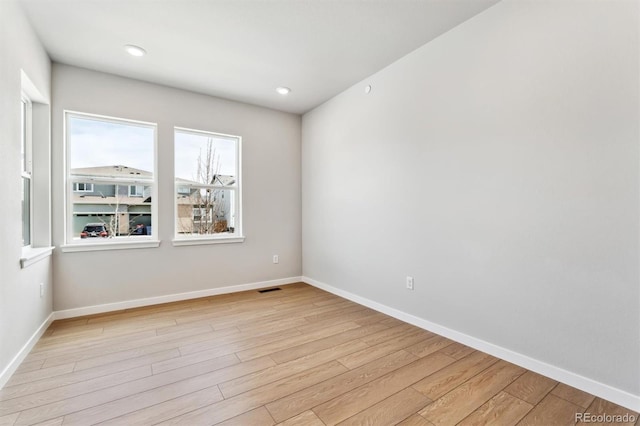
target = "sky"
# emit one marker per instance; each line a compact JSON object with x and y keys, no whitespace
{"x":95,"y":143}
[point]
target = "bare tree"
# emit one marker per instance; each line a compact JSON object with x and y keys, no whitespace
{"x":113,"y":224}
{"x":206,"y":203}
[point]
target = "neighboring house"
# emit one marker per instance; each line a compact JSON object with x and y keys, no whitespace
{"x":202,"y":211}
{"x":119,"y":206}
{"x":122,"y":206}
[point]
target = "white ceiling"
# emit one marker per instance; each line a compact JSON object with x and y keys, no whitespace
{"x":244,"y":49}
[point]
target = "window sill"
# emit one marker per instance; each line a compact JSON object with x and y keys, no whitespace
{"x":33,"y":255}
{"x":206,"y":240}
{"x":109,"y":245}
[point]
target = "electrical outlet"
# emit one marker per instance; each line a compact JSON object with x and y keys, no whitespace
{"x":410,"y":283}
{"x":41,"y":289}
{"x":276,"y":258}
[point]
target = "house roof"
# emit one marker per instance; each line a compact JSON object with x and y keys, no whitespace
{"x":120,"y":171}
{"x":117,"y":171}
{"x":217,"y":179}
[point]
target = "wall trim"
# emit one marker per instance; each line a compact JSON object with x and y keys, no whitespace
{"x":136,"y":303}
{"x":591,"y":386}
{"x":24,"y":351}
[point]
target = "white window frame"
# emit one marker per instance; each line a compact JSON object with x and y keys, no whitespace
{"x":76,"y":187}
{"x":26,"y":169}
{"x":236,"y":189}
{"x":36,"y":128}
{"x":113,"y":243}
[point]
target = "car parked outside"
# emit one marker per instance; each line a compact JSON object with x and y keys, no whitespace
{"x":93,"y":230}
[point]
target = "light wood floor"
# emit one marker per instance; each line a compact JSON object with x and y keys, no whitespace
{"x":298,"y":356}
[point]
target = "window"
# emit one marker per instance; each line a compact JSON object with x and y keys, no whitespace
{"x":26,"y":155}
{"x":136,"y":191}
{"x":111,"y":181}
{"x":82,"y":187}
{"x":207,"y":187}
{"x":34,"y":113}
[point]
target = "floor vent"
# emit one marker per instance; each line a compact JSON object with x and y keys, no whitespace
{"x":267,"y":290}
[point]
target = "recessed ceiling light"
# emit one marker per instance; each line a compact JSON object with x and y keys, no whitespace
{"x":283,"y":90}
{"x":135,"y":50}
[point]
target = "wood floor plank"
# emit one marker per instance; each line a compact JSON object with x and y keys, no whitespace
{"x":178,"y":330}
{"x":28,"y":366}
{"x":167,"y":410}
{"x":531,"y":387}
{"x":373,"y":318}
{"x":84,"y":344}
{"x":466,"y":398}
{"x":415,"y":420}
{"x":119,"y":356}
{"x":9,"y":419}
{"x":429,"y":346}
{"x":351,"y":313}
{"x":96,"y":377}
{"x":242,"y":342}
{"x":552,"y":411}
{"x":450,"y":377}
{"x":379,"y":350}
{"x":213,"y":373}
{"x":53,"y":422}
{"x":291,"y":353}
{"x":247,"y":401}
{"x":275,"y":346}
{"x":501,"y":410}
{"x":55,"y":394}
{"x":43,"y":373}
{"x":391,"y":410}
{"x":258,"y":417}
{"x":143,"y":400}
{"x":133,"y":347}
{"x":573,"y":395}
{"x":276,"y":324}
{"x":276,"y":357}
{"x":389,"y":333}
{"x":173,"y":363}
{"x":457,"y":350}
{"x":61,"y":335}
{"x":352,"y":402}
{"x":277,"y":372}
{"x":308,"y":418}
{"x":305,"y":399}
{"x":391,"y":322}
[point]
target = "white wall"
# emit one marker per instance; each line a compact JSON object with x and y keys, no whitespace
{"x":271,"y":194}
{"x":22,"y":310}
{"x":498,"y":165}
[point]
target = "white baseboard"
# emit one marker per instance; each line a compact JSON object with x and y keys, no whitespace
{"x":593,"y":387}
{"x":24,"y":351}
{"x":136,"y":303}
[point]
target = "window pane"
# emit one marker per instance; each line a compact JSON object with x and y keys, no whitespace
{"x":111,"y":173}
{"x":110,"y":149}
{"x":23,"y":150}
{"x":83,"y":187}
{"x":111,"y":206}
{"x":206,"y":211}
{"x":26,"y":211}
{"x":205,"y":158}
{"x":136,"y":190}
